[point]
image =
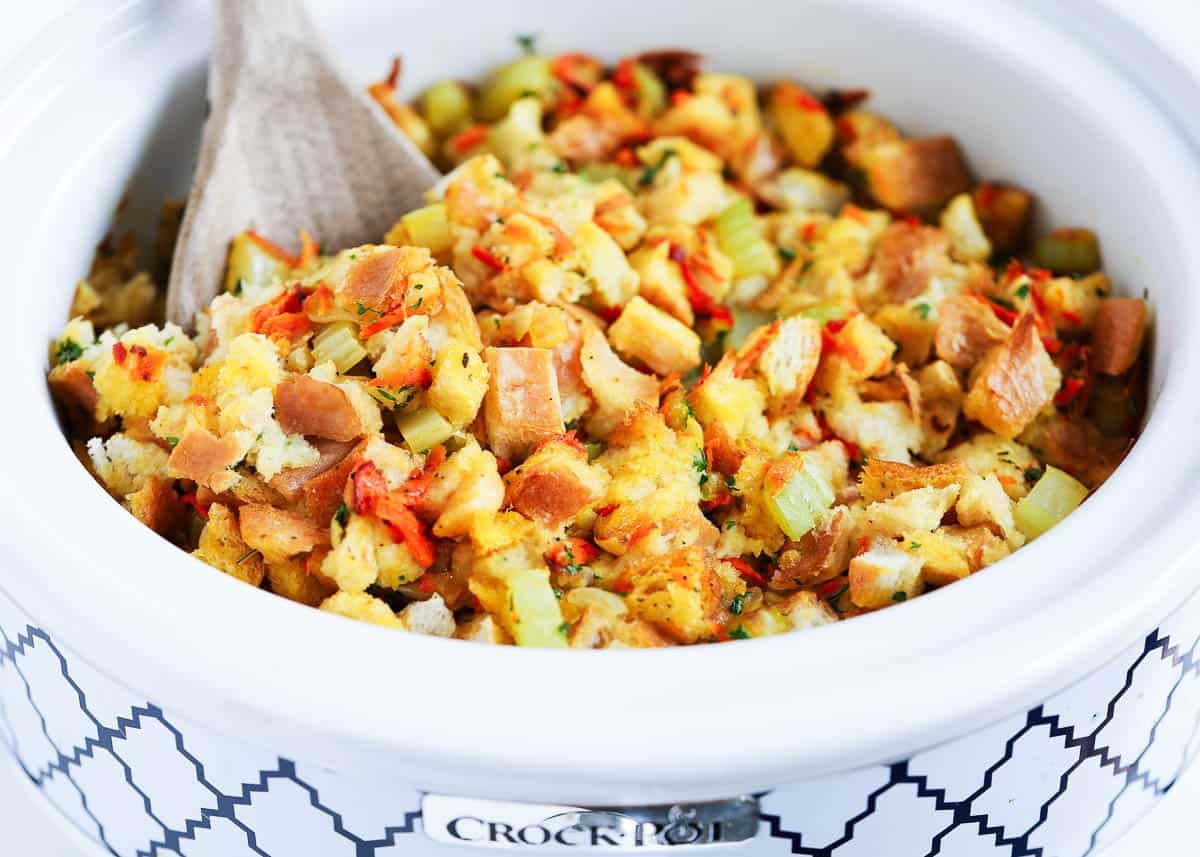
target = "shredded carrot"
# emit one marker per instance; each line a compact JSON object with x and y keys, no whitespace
{"x":855,"y":213}
{"x":367,"y":486}
{"x":1072,"y":316}
{"x":605,"y":510}
{"x":420,"y":376}
{"x":680,"y":96}
{"x":319,"y":303}
{"x":272,"y":249}
{"x":640,"y":532}
{"x":119,"y":353}
{"x":469,"y":138}
{"x":563,"y":245}
{"x":575,"y":69}
{"x":406,"y":528}
{"x":829,"y":587}
{"x":571,"y":551}
{"x":487,"y":257}
{"x":845,"y":130}
{"x":747,"y":571}
{"x":503,"y":465}
{"x":287,"y":325}
{"x":287,"y":301}
{"x":701,"y":301}
{"x":807,"y":102}
{"x":625,"y":157}
{"x":721,"y":498}
{"x":426,"y":583}
{"x":396,"y":315}
{"x":750,"y":355}
{"x":986,"y":195}
{"x":189,"y":499}
{"x":309,"y":249}
{"x":808,"y":232}
{"x":393,"y":78}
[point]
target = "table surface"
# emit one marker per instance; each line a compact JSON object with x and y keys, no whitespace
{"x":26,"y":829}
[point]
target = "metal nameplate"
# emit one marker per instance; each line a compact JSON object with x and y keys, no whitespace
{"x":551,"y":827}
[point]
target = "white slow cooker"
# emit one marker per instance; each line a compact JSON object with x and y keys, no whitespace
{"x":1039,"y":707}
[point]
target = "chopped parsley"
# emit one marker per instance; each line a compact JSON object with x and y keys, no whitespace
{"x":651,"y":172}
{"x":1003,"y":302}
{"x":899,"y":597}
{"x":804,"y":268}
{"x":731,"y":484}
{"x":787,"y":253}
{"x":559,"y":168}
{"x":793,"y":448}
{"x":739,"y":601}
{"x":700,"y":465}
{"x":730,"y":524}
{"x":420,"y":301}
{"x":342,"y":515}
{"x":1023,"y":291}
{"x":557,"y":592}
{"x":172,"y":441}
{"x":363,"y":309}
{"x":563,"y":628}
{"x":914,"y":546}
{"x":1033,"y":474}
{"x":835,"y":597}
{"x":68,"y":350}
{"x":740,"y":633}
{"x":239,"y":287}
{"x":572,"y":567}
{"x":527,"y":42}
{"x":922,"y":309}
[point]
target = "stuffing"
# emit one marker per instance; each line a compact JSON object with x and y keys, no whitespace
{"x":617,"y":387}
{"x":1117,"y":336}
{"x":278,"y":534}
{"x":645,"y":333}
{"x":124,"y":465}
{"x":221,"y":546}
{"x":884,"y":574}
{"x":1013,"y":383}
{"x":522,"y":406}
{"x":362,"y":607}
{"x":430,"y":616}
{"x":983,"y":502}
{"x":918,"y":509}
{"x":666,"y":358}
{"x":555,"y":483}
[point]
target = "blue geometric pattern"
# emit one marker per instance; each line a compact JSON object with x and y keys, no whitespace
{"x":1062,"y":780}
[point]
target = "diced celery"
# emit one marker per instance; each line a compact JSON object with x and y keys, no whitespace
{"x":744,"y":322}
{"x":1068,"y":251}
{"x":740,"y":239}
{"x":523,"y":600}
{"x":423,"y":429}
{"x":651,"y":92}
{"x":426,"y":227}
{"x":251,"y":264}
{"x":447,"y":106}
{"x":338,"y":343}
{"x":528,"y":75}
{"x":1055,"y":496}
{"x":825,"y":313}
{"x":798,"y":503}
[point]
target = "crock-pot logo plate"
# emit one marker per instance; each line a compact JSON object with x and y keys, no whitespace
{"x":549,"y":827}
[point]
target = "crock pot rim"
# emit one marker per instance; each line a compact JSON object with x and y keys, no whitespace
{"x":253,"y":687}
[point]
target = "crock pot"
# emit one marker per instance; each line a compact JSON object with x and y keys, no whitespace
{"x":1038,"y":707}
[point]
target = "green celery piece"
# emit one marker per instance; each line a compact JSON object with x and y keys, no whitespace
{"x":800,"y":502}
{"x":1055,"y":496}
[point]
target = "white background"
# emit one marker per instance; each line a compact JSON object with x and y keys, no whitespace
{"x":25,"y":831}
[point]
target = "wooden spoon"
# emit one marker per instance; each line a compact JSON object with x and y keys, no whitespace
{"x":288,"y":145}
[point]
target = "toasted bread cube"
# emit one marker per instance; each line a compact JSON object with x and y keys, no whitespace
{"x":1014,"y":382}
{"x":803,"y":122}
{"x":221,"y":546}
{"x":483,"y":629}
{"x":157,"y":506}
{"x":798,"y":189}
{"x":882,"y":480}
{"x":986,"y":453}
{"x":821,"y":554}
{"x":884,"y":575}
{"x":521,"y":407}
{"x":460,"y":382}
{"x":678,"y":593}
{"x":912,"y":176}
{"x":919,"y":509}
{"x":968,"y":241}
{"x":1003,"y":213}
{"x":983,"y":502}
{"x":943,"y":557}
{"x":805,"y":610}
{"x":646,"y":333}
{"x":363,"y":607}
{"x":466,"y":491}
{"x":616,"y":386}
{"x":291,"y":579}
{"x":908,"y":257}
{"x":1117,"y":334}
{"x":789,"y":362}
{"x":277,"y":533}
{"x":554,"y":484}
{"x":967,"y":330}
{"x":431,"y":616}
